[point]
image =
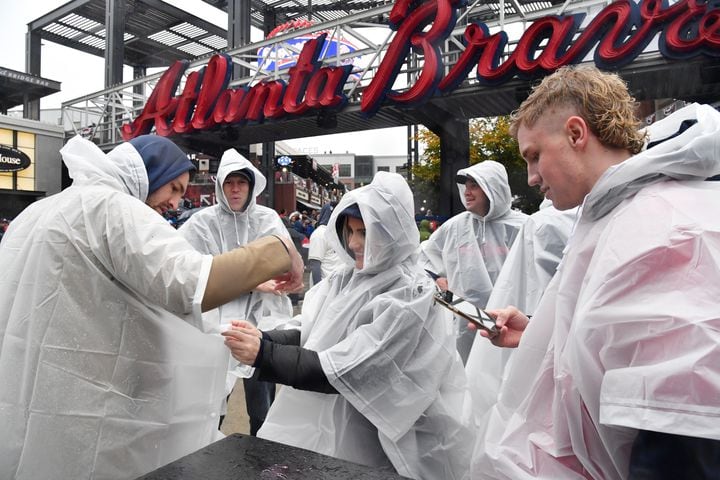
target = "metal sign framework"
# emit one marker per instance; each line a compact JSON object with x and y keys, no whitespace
{"x":100,"y":115}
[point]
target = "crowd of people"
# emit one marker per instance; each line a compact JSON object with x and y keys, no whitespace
{"x":582,"y":341}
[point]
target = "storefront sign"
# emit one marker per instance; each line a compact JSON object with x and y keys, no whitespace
{"x":12,"y":159}
{"x":27,"y":78}
{"x":618,"y":34}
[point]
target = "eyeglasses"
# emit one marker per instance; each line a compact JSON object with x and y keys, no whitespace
{"x":464,"y":309}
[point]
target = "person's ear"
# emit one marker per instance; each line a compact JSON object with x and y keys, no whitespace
{"x":577,"y":131}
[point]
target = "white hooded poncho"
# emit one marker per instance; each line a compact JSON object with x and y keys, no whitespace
{"x":627,"y":335}
{"x":526,"y":273}
{"x":386,"y":349}
{"x":469,"y":250}
{"x":98,"y":378}
{"x":533,"y":259}
{"x":218,"y":229}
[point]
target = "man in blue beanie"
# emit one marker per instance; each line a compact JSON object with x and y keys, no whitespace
{"x":105,"y":368}
{"x":164,"y":162}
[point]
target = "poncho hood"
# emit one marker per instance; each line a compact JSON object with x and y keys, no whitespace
{"x":121,"y":169}
{"x":233,"y":161}
{"x":391,"y":236}
{"x":493,"y":179}
{"x":687,"y":142}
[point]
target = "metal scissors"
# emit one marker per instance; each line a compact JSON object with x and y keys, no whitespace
{"x":476,"y":316}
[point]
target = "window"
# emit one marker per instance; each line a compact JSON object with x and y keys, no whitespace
{"x":383,"y":169}
{"x":345,"y":170}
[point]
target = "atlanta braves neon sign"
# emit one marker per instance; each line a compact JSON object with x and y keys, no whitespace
{"x":618,"y":33}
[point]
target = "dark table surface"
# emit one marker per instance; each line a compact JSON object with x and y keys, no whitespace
{"x":243,"y":457}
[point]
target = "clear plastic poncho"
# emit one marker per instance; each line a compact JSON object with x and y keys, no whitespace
{"x":470,"y":249}
{"x":627,"y":335}
{"x":218,"y":229}
{"x":526,"y":273}
{"x":388,"y":351}
{"x":100,"y":376}
{"x":533,"y":258}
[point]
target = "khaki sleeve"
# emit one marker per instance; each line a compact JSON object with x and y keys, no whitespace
{"x":240,"y":270}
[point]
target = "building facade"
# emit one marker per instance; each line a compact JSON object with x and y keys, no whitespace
{"x":30,"y":163}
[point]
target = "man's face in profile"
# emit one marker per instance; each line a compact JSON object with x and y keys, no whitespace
{"x":559,"y":170}
{"x":475,"y":199}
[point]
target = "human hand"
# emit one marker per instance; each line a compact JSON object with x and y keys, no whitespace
{"x":442,"y":284}
{"x":510,"y":323}
{"x":244,"y":345}
{"x":245,"y":327}
{"x":268,"y":287}
{"x":292,"y":281}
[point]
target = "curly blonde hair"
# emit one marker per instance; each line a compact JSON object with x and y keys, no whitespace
{"x":600,"y":98}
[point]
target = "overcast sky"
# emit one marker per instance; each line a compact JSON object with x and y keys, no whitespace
{"x":81,"y":73}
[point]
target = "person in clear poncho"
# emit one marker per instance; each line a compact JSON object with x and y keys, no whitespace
{"x":104,"y":372}
{"x":618,"y":373}
{"x":236,"y":220}
{"x":530,"y":265}
{"x":323,"y":260}
{"x":374,"y":375}
{"x":468,"y":251}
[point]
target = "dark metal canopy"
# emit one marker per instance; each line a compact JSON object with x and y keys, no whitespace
{"x":156,"y":33}
{"x":19,"y":87}
{"x":282,"y":11}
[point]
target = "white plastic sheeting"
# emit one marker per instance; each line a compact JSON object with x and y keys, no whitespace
{"x":469,"y":249}
{"x":533,"y":258}
{"x":387,"y":350}
{"x":99,"y":378}
{"x":218,"y":229}
{"x":627,"y":336}
{"x":526,"y":273}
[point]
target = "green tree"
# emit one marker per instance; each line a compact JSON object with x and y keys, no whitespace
{"x":490,"y":139}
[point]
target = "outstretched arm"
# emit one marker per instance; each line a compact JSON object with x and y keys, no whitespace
{"x":242,"y":269}
{"x":288,"y":364}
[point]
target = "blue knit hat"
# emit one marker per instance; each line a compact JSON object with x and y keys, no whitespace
{"x":164,"y":161}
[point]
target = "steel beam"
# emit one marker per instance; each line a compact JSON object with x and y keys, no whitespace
{"x":239,"y":15}
{"x":454,"y":155}
{"x":115,"y":11}
{"x":31,"y":108}
{"x":56,"y":14}
{"x":454,"y":133}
